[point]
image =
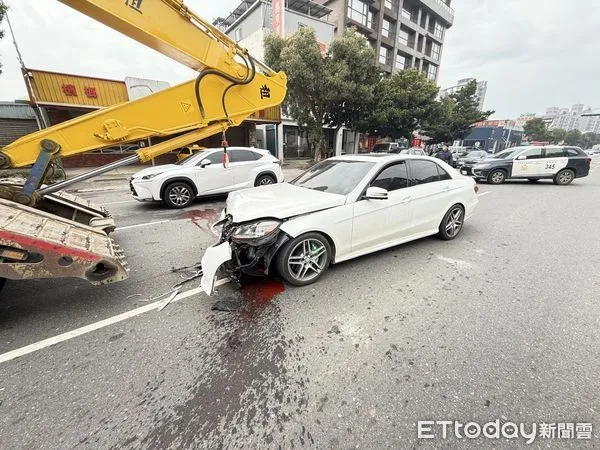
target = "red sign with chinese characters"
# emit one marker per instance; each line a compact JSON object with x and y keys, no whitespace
{"x":90,"y":92}
{"x":323,"y":48}
{"x":278,"y":17}
{"x":69,"y":90}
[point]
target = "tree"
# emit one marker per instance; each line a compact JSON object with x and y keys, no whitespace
{"x":404,"y":102}
{"x":536,"y":130}
{"x":3,"y":9}
{"x":574,"y":137}
{"x":558,"y":135}
{"x":455,"y":115}
{"x":334,"y":90}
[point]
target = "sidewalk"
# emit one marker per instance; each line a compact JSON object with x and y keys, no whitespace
{"x":118,"y":179}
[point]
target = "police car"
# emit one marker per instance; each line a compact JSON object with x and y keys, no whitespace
{"x":558,"y":163}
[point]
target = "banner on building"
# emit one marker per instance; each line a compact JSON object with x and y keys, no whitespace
{"x":279,"y":17}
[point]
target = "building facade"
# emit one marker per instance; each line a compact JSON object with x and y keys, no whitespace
{"x":481,"y":89}
{"x":404,"y":33}
{"x":572,"y":119}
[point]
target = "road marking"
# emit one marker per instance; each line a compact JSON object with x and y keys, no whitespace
{"x":121,"y":202}
{"x":483,"y":193}
{"x":147,"y":224}
{"x":8,"y":356}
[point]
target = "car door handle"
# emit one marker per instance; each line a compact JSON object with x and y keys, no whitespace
{"x":446,"y":189}
{"x":406,"y":200}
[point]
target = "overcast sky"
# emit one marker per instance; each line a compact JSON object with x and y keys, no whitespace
{"x":533,"y":53}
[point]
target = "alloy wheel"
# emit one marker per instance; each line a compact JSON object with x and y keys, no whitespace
{"x":454,"y":222}
{"x":264,"y":181}
{"x":497,"y":177}
{"x":307,"y":259}
{"x":565,"y":177}
{"x":179,"y":195}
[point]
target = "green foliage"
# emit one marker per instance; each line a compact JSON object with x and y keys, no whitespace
{"x":558,"y":135}
{"x":574,"y":137}
{"x":404,"y":102}
{"x":535,"y":129}
{"x":335,"y":90}
{"x":588,"y":140}
{"x":454,"y":115}
{"x":3,"y":9}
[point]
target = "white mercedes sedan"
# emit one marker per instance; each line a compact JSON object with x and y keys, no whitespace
{"x":340,"y":208}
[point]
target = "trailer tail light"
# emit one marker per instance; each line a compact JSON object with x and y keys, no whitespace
{"x":14,"y":254}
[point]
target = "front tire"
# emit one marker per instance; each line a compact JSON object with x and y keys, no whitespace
{"x":305,"y":259}
{"x":178,"y":195}
{"x":564,"y":177}
{"x":497,"y":176}
{"x":452,"y":223}
{"x":264,"y":180}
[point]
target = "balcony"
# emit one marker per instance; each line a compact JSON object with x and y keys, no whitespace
{"x":440,"y":8}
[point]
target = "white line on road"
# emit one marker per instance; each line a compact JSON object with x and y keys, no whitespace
{"x":118,"y":203}
{"x":141,"y":225}
{"x":483,"y":193}
{"x":8,"y":356}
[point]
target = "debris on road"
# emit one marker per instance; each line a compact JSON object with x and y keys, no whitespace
{"x":165,"y":303}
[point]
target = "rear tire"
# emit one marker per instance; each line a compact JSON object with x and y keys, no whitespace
{"x":564,"y":177}
{"x":264,"y":180}
{"x":178,"y":195}
{"x":497,"y":176}
{"x":452,"y":223}
{"x":305,"y":259}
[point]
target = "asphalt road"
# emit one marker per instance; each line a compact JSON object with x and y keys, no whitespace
{"x":501,"y":323}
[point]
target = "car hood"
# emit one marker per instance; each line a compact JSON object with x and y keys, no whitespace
{"x":155,"y":169}
{"x":279,"y":201}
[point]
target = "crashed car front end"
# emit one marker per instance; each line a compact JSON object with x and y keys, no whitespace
{"x":243,"y":248}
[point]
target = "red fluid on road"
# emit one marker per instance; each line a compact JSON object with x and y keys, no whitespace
{"x":202,"y":218}
{"x":259,"y":292}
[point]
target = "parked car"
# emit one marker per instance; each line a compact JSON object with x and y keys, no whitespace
{"x":416,"y":151}
{"x":204,"y":173}
{"x":339,"y":209}
{"x":558,"y":163}
{"x":386,"y":147}
{"x":470,"y":159}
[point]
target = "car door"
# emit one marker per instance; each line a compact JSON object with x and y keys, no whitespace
{"x":528,"y":163}
{"x":213,"y":178}
{"x":432,"y":191}
{"x":554,"y":159}
{"x":380,"y":222}
{"x":242,"y":163}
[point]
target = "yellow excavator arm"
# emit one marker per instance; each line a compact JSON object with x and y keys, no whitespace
{"x":230,"y":86}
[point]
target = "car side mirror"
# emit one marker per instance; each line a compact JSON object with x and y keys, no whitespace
{"x":205,"y":162}
{"x":522,"y":157}
{"x":376,"y":193}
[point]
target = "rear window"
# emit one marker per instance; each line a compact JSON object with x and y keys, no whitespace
{"x":242,"y":155}
{"x":381,"y":148}
{"x":574,"y":152}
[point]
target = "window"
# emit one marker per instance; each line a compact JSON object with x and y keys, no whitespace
{"x":392,"y":178}
{"x":424,"y":171}
{"x":439,"y":30}
{"x":336,"y":177}
{"x":435,"y":51}
{"x":359,"y":11}
{"x":555,"y":152}
{"x":573,"y":152}
{"x":383,"y":54}
{"x":443,"y":174}
{"x":214,"y":158}
{"x":432,"y":72}
{"x":535,"y":153}
{"x":388,"y":4}
{"x":407,"y":13}
{"x":242,"y":155}
{"x":386,"y":29}
{"x":400,"y":62}
{"x":404,"y":37}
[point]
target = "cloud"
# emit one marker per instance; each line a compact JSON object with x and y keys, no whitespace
{"x":533,"y":53}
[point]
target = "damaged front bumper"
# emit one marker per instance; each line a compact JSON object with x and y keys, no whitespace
{"x":239,"y":256}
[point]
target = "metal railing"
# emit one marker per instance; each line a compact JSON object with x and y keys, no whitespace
{"x":447,"y":7}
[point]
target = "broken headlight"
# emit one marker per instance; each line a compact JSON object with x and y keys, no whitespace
{"x":255,"y":230}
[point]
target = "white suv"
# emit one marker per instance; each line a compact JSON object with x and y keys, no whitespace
{"x":204,"y":174}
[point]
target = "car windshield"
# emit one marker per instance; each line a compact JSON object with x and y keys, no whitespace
{"x":506,"y":154}
{"x":381,"y":148}
{"x":194,"y":159}
{"x":334,"y":176}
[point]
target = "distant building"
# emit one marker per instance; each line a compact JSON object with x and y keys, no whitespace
{"x":16,"y":120}
{"x":572,"y":119}
{"x":404,"y":33}
{"x":481,"y":89}
{"x":524,"y":118}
